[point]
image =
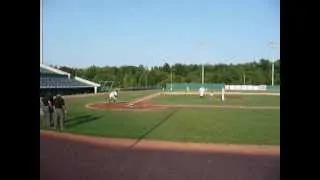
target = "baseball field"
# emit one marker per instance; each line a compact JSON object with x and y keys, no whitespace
{"x":240,"y":119}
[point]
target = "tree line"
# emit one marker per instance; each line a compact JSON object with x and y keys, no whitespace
{"x":140,"y":76}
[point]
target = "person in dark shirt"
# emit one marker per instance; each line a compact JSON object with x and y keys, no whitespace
{"x":51,"y":110}
{"x":47,"y":102}
{"x":60,"y":111}
{"x":41,"y":112}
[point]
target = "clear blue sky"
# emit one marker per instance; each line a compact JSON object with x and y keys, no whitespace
{"x":81,"y":33}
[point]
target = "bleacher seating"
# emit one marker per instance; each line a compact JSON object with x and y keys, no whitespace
{"x":49,"y":79}
{"x":60,"y":82}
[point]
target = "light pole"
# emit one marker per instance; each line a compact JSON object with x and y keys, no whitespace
{"x":146,"y":73}
{"x":171,"y":79}
{"x":147,"y":80}
{"x":202,"y":75}
{"x":244,"y":78}
{"x":272,"y":72}
{"x":272,"y":45}
{"x":201,"y":46}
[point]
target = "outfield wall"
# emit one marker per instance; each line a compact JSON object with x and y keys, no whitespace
{"x":219,"y":86}
{"x":193,"y":86}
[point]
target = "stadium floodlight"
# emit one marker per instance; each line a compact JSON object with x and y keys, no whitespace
{"x":273,"y":45}
{"x":244,"y":78}
{"x":146,"y":74}
{"x":41,"y":32}
{"x":202,"y":46}
{"x":202,"y":74}
{"x":171,"y":78}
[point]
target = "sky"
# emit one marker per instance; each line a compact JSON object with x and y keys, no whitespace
{"x":82,"y":33}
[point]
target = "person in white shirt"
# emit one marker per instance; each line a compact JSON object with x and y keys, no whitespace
{"x":201,"y":91}
{"x":113,"y":96}
{"x":222,"y":92}
{"x":187,"y":90}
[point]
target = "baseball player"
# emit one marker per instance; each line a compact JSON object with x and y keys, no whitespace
{"x":187,"y":90}
{"x":201,"y":91}
{"x":113,"y":96}
{"x":60,"y":112}
{"x":47,"y":108}
{"x":222,"y":93}
{"x":41,"y":112}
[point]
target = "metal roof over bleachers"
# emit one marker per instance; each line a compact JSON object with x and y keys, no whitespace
{"x":54,"y":78}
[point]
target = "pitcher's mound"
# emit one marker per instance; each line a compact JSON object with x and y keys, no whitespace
{"x":124,"y":106}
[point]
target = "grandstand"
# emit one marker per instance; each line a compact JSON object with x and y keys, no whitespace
{"x":57,"y":81}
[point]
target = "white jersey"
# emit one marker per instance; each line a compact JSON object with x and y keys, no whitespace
{"x":201,"y":91}
{"x":222,"y":92}
{"x":113,"y":94}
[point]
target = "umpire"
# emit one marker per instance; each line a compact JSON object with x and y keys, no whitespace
{"x":60,"y":111}
{"x":47,"y":102}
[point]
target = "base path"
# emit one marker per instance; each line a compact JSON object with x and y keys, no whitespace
{"x":145,"y":98}
{"x":146,"y":106}
{"x":75,"y":157}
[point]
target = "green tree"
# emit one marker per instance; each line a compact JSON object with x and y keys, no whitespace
{"x":128,"y":76}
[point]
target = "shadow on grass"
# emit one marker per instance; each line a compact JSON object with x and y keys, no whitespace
{"x":166,"y":118}
{"x":78,"y":120}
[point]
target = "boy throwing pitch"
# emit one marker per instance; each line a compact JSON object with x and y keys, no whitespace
{"x":113,"y":96}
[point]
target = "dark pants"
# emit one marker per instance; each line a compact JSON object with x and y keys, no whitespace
{"x":59,"y":118}
{"x":51,"y":116}
{"x":48,"y":116}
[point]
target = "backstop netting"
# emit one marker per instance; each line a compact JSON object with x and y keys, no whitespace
{"x":106,"y":86}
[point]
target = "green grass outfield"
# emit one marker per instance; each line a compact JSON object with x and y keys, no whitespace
{"x":231,"y":99}
{"x":236,"y":126}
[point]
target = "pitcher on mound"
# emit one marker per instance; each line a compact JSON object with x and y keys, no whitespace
{"x":113,"y":96}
